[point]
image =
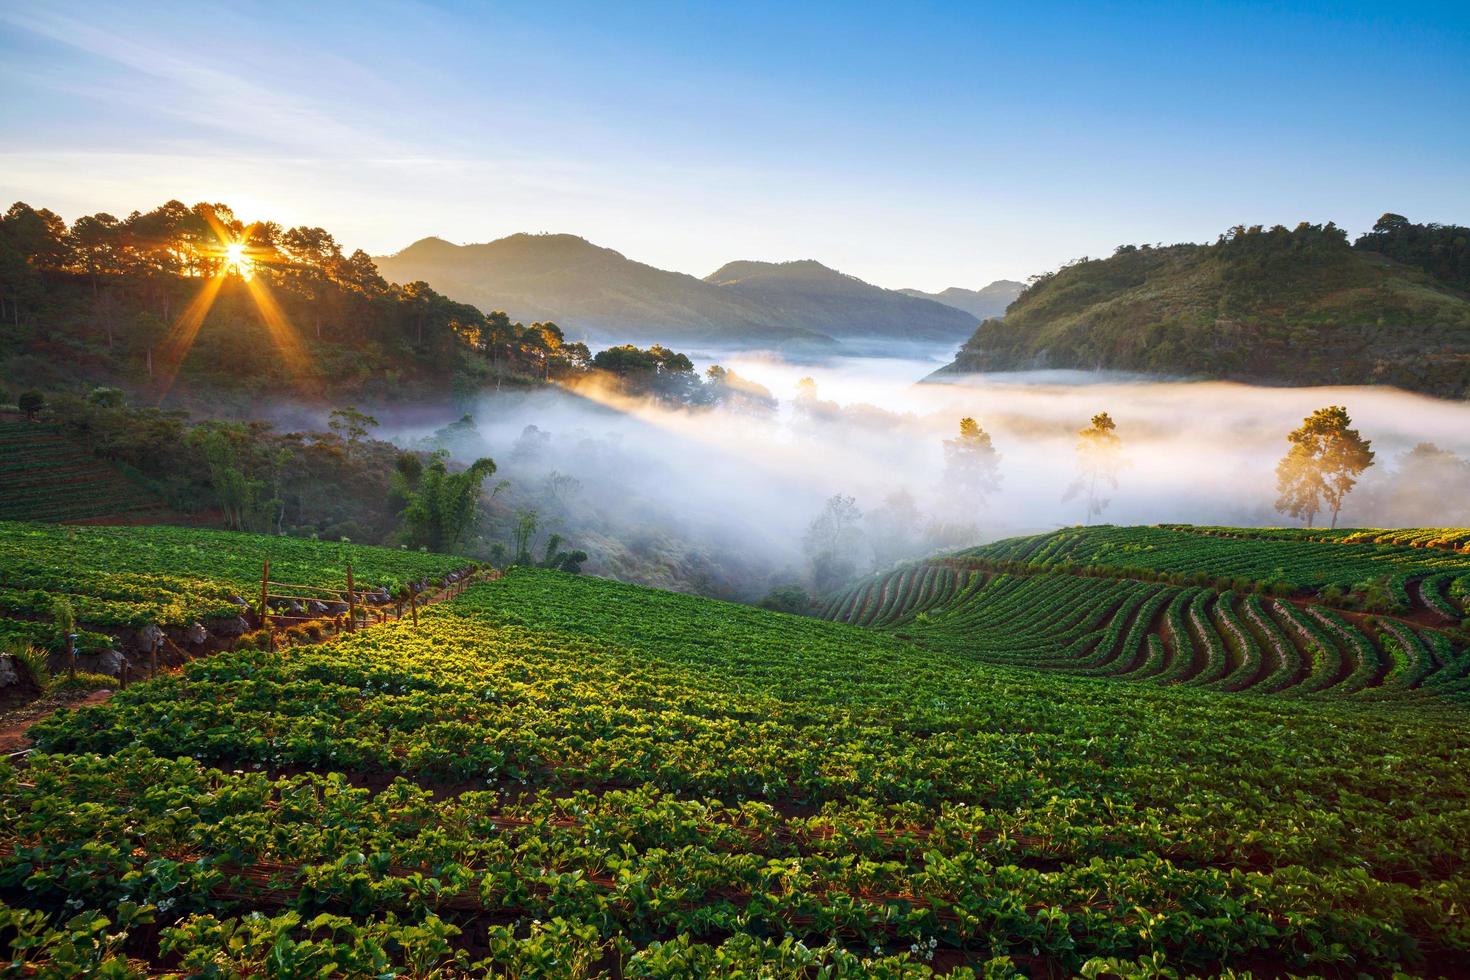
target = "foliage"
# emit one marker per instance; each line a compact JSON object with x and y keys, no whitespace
{"x":833,"y":542}
{"x":441,"y":508}
{"x":1441,"y":250}
{"x":350,"y":424}
{"x":789,"y":598}
{"x":1291,"y":306}
{"x":31,"y":402}
{"x":1323,"y":464}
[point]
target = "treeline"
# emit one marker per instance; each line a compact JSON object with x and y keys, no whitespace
{"x":1441,"y":250}
{"x":105,"y":299}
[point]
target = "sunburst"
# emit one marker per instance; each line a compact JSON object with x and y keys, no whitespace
{"x":235,"y":256}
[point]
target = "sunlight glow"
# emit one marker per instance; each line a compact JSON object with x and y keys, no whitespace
{"x":235,"y":256}
{"x":238,"y":260}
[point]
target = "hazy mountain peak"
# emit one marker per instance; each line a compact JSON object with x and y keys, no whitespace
{"x":982,"y":304}
{"x":795,"y":269}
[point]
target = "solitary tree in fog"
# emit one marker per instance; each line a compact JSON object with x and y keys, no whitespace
{"x":971,"y":466}
{"x":1099,"y":458}
{"x":832,"y":542}
{"x":1322,"y":465}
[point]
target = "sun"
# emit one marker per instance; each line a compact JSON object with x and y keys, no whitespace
{"x":237,"y":260}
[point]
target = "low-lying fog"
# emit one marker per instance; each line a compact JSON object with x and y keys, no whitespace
{"x":720,"y":500}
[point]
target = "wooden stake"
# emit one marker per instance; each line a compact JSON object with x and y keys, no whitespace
{"x":265,"y":594}
{"x":351,"y":601}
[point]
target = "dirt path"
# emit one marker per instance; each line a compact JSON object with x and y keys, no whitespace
{"x":17,"y":722}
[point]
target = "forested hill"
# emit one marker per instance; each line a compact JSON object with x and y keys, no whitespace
{"x":1284,"y":306}
{"x":193,"y":306}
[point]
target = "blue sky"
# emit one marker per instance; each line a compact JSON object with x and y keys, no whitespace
{"x":917,"y":145}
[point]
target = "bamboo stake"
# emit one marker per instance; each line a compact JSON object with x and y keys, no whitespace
{"x":351,"y":602}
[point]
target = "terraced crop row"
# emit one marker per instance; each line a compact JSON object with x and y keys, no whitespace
{"x":907,"y":592}
{"x":1160,"y":633}
{"x":1414,"y":575}
{"x":44,"y":476}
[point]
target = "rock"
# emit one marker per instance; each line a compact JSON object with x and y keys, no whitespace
{"x":239,"y":602}
{"x":196,"y":634}
{"x":317,"y":608}
{"x":337,"y":608}
{"x":103,"y":662}
{"x":229,"y":626}
{"x":8,"y":673}
{"x":149,"y":638}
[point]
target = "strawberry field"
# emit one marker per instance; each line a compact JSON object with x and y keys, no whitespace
{"x":128,"y":577}
{"x":561,"y":776}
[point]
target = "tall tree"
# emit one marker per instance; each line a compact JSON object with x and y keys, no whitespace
{"x":833,"y":541}
{"x":351,"y":425}
{"x":443,"y":506}
{"x":971,"y":466}
{"x":1322,"y":465}
{"x":1099,"y":458}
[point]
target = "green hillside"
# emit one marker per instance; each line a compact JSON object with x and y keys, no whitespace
{"x":563,"y":776}
{"x":1298,"y":307}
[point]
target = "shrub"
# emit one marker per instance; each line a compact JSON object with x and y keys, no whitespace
{"x":789,"y":598}
{"x":83,"y":681}
{"x":33,"y":661}
{"x":31,"y":402}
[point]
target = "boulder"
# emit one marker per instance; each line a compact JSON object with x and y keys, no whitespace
{"x":229,"y":626}
{"x":150,"y":637}
{"x":196,"y":634}
{"x":102,"y":662}
{"x":9,"y":675}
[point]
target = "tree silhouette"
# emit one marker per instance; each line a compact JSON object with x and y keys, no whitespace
{"x":1322,"y":465}
{"x":1099,"y":458}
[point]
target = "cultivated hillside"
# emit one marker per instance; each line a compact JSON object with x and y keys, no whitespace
{"x":555,"y":775}
{"x":1293,"y":307}
{"x":1365,"y":615}
{"x":591,"y":292}
{"x":982,"y":304}
{"x":839,"y":305}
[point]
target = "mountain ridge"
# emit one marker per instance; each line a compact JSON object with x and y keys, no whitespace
{"x":983,"y":304}
{"x":597,"y":293}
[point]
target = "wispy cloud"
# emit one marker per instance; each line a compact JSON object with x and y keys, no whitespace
{"x":203,"y":94}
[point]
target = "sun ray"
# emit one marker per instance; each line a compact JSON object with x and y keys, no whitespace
{"x":180,"y":338}
{"x":287,"y":341}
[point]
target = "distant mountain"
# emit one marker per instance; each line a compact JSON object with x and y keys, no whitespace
{"x":1274,"y":306}
{"x":592,"y":292}
{"x":841,"y":306}
{"x":600,"y":295}
{"x":982,"y":304}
